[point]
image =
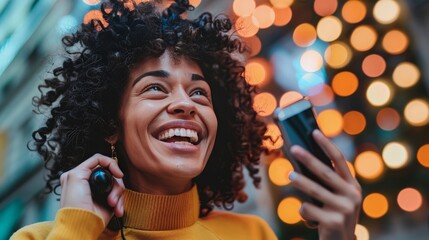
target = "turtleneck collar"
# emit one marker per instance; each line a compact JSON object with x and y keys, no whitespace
{"x":160,"y":212}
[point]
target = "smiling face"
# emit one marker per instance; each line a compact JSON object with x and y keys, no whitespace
{"x":168,"y":124}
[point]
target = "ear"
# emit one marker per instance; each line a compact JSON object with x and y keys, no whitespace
{"x":113,"y":139}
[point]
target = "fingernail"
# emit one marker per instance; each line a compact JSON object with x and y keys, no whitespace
{"x":292,"y":176}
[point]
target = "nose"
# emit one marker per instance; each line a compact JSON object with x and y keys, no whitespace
{"x":182,"y":104}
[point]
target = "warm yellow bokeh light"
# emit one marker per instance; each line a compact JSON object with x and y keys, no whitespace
{"x":417,"y":112}
{"x":283,"y":16}
{"x":247,"y":26}
{"x":281,"y":3}
{"x":409,"y":199}
{"x":345,"y":83}
{"x":388,"y":119}
{"x":91,"y":2}
{"x":288,"y":210}
{"x":361,"y":231}
{"x":373,"y":65}
{"x":257,"y":71}
{"x":353,"y":11}
{"x":354,"y":122}
{"x":243,"y":8}
{"x":304,"y":35}
{"x":311,"y":61}
{"x":406,"y":75}
{"x":264,"y":104}
{"x":265,"y":16}
{"x":330,"y":122}
{"x":95,"y":15}
{"x":363,"y":38}
{"x":279,"y":170}
{"x":329,"y":28}
{"x":320,"y":95}
{"x":289,"y":97}
{"x":369,"y":165}
{"x":423,"y":155}
{"x":338,"y":55}
{"x":325,"y":7}
{"x":395,"y":155}
{"x":254,"y":44}
{"x":275,"y":140}
{"x":375,"y":205}
{"x":386,"y":11}
{"x":195,"y":3}
{"x":379,"y":93}
{"x":395,"y":42}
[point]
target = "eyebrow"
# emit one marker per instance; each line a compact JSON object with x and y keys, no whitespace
{"x":164,"y":74}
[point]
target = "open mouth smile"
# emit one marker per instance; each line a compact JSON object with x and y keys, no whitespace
{"x":179,"y":135}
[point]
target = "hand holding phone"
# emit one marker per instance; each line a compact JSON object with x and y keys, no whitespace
{"x":297,"y":123}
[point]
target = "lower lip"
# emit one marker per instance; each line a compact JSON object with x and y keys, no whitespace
{"x":180,"y":147}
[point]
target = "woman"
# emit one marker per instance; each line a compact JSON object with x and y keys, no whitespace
{"x":166,"y":96}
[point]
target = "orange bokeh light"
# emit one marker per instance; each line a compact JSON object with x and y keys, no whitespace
{"x":195,"y":3}
{"x":289,"y":97}
{"x":275,"y":141}
{"x":373,"y":65}
{"x":264,"y":104}
{"x":281,"y":3}
{"x":423,"y":155}
{"x":265,"y":16}
{"x":304,"y":35}
{"x":247,"y":26}
{"x":329,"y":28}
{"x":345,"y":83}
{"x":279,"y":170}
{"x":406,"y":74}
{"x":95,"y":15}
{"x":321,"y":94}
{"x":338,"y":55}
{"x":369,"y":165}
{"x":257,"y":71}
{"x":330,"y":122}
{"x":325,"y":7}
{"x":283,"y":16}
{"x":353,"y":11}
{"x":388,"y":119}
{"x":354,"y":122}
{"x":375,"y":205}
{"x":243,"y":8}
{"x":363,"y":38}
{"x":254,"y":44}
{"x":409,"y":199}
{"x":395,"y":42}
{"x":288,"y":210}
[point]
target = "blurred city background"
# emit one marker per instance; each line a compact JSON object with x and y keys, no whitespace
{"x":363,"y":63}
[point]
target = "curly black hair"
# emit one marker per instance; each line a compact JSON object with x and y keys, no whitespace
{"x":83,"y":95}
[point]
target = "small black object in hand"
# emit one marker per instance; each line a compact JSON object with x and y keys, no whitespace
{"x":101,"y":183}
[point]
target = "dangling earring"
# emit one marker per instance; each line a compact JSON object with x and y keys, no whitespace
{"x":114,"y":156}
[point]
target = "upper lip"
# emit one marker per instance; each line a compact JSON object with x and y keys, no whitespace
{"x":180,"y":124}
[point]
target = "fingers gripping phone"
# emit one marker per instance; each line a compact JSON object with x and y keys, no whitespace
{"x":297,"y":123}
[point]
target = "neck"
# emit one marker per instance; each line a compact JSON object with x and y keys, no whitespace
{"x":150,"y":184}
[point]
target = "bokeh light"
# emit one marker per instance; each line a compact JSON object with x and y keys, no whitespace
{"x":351,"y":168}
{"x":354,"y":122}
{"x":395,"y":42}
{"x":361,"y":231}
{"x":416,"y":112}
{"x":375,"y":205}
{"x":321,"y":95}
{"x":95,"y":15}
{"x":304,"y":35}
{"x":289,"y":97}
{"x":345,"y":83}
{"x":386,"y":11}
{"x":195,"y":3}
{"x":329,"y":28}
{"x":281,"y":3}
{"x":282,"y":16}
{"x":247,"y":26}
{"x":243,"y":8}
{"x":279,"y":170}
{"x":91,"y":2}
{"x":395,"y":155}
{"x":264,"y":104}
{"x":325,"y":7}
{"x":388,"y":119}
{"x":265,"y":16}
{"x":338,"y":55}
{"x":379,"y":93}
{"x":409,"y":199}
{"x":257,"y":71}
{"x":406,"y":74}
{"x":254,"y":44}
{"x":275,"y":140}
{"x":373,"y":65}
{"x":288,"y":210}
{"x":423,"y":155}
{"x":330,"y":122}
{"x":369,"y":165}
{"x":353,"y":11}
{"x":311,"y":61}
{"x":363,"y":38}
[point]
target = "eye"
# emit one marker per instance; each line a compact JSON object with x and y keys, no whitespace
{"x":199,"y":92}
{"x":153,"y":87}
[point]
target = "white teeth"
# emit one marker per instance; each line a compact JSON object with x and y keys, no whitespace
{"x":179,"y":132}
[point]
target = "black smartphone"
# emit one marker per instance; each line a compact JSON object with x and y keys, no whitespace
{"x":297,"y":122}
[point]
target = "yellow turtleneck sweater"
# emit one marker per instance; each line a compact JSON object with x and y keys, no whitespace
{"x":150,"y":217}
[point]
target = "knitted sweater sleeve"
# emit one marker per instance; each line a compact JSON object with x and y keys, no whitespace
{"x":70,"y":223}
